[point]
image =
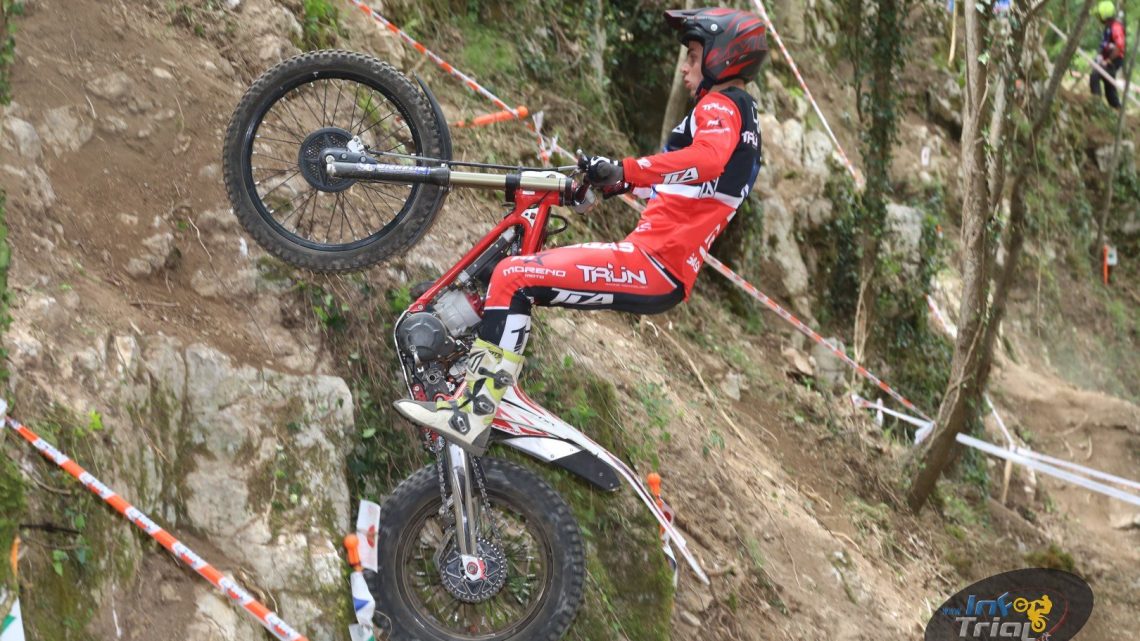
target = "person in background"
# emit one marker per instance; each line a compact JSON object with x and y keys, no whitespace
{"x":1111,"y":56}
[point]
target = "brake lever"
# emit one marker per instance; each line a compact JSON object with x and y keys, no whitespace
{"x":584,"y":199}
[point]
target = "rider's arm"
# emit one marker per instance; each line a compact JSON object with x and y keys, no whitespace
{"x":717,"y":127}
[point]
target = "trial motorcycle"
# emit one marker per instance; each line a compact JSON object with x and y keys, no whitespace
{"x":335,"y":161}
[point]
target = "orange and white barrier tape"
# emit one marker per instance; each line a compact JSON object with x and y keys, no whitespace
{"x":808,"y":331}
{"x":267,"y":618}
{"x":807,"y":93}
{"x":443,"y":64}
{"x":507,"y":113}
{"x":1016,"y":454}
{"x":499,"y":116}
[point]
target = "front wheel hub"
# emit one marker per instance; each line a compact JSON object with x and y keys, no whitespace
{"x":311,"y":163}
{"x":473,"y":579}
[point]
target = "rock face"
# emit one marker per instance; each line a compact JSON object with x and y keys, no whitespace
{"x":904,"y":236}
{"x":249,"y":459}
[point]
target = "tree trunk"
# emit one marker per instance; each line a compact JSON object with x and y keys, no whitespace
{"x":978,"y":329}
{"x":1040,"y":117}
{"x":597,"y":55}
{"x":1107,"y":207}
{"x":886,"y":54}
{"x":678,"y":96}
{"x":935,"y":454}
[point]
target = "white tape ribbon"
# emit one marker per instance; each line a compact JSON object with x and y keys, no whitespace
{"x":1039,"y":466}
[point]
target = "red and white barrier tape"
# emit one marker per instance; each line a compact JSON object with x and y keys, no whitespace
{"x":807,"y":93}
{"x":1119,"y":84}
{"x":443,"y":64}
{"x":267,"y":618}
{"x":808,"y":331}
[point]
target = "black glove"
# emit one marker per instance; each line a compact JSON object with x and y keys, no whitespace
{"x":601,"y":171}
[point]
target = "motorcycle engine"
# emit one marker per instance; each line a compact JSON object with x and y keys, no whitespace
{"x":431,"y":341}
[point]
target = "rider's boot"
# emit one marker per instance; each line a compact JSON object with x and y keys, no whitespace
{"x":466,"y":421}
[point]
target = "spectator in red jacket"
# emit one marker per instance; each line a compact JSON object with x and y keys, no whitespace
{"x":1111,"y":56}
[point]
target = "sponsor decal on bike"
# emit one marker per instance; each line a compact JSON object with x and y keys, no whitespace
{"x":596,"y":273}
{"x":533,"y":270}
{"x":530,"y":214}
{"x":623,"y":247}
{"x":682,"y":176}
{"x":569,"y":297}
{"x":1029,"y":605}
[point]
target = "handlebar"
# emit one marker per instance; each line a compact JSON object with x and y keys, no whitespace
{"x":367,"y":169}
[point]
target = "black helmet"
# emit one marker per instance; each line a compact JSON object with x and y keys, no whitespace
{"x":733,"y":40}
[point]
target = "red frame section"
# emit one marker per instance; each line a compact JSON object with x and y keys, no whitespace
{"x":530,"y":213}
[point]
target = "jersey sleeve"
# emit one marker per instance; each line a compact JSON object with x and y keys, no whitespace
{"x":716,"y":133}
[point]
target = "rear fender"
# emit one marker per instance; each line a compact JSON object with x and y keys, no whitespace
{"x":569,"y":457}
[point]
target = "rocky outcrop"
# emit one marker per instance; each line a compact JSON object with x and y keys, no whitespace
{"x":246,"y":458}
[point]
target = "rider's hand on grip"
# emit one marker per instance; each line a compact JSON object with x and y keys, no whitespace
{"x":601,"y":171}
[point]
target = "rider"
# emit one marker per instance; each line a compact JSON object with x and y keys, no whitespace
{"x":1111,"y":56}
{"x":709,"y":164}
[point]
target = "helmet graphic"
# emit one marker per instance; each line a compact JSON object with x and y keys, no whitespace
{"x":1105,"y":10}
{"x":733,"y":40}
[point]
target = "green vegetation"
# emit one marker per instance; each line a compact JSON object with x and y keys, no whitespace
{"x":9,"y":10}
{"x":78,"y":544}
{"x":320,"y":25}
{"x":902,"y":338}
{"x":1051,"y":557}
{"x":11,"y":481}
{"x":629,"y":592}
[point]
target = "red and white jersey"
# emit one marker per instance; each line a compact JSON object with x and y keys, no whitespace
{"x":708,"y":168}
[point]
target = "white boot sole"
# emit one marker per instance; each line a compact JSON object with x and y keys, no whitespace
{"x":438,"y":421}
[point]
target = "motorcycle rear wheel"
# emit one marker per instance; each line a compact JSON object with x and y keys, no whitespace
{"x":274,"y":171}
{"x":545,"y":560}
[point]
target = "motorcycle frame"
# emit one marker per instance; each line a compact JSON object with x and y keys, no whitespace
{"x":520,"y":422}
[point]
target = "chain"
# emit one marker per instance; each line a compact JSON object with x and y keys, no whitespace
{"x":436,"y":446}
{"x":481,"y":481}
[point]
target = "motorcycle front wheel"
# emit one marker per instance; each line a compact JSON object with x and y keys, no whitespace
{"x":536,"y":564}
{"x":274,"y":169}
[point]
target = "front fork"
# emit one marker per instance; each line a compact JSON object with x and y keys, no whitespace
{"x":459,"y":469}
